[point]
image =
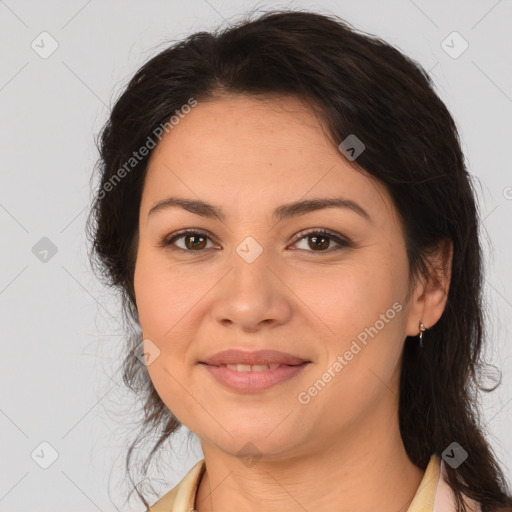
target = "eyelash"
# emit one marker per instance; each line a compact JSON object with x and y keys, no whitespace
{"x":344,"y":243}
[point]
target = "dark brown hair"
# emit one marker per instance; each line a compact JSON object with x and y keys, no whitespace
{"x":361,"y":85}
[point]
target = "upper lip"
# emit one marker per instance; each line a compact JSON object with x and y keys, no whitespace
{"x":233,"y":356}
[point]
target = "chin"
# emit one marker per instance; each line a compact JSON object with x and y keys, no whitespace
{"x":252,"y":442}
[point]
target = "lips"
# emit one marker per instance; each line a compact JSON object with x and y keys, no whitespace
{"x":246,"y":378}
{"x":245,"y":360}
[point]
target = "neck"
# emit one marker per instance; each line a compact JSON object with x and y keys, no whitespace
{"x":365,"y":468}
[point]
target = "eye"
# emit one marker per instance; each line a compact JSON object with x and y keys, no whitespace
{"x":193,"y":241}
{"x":321,"y":239}
{"x":196,"y":241}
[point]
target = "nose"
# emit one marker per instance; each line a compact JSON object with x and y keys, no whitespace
{"x":252,"y":295}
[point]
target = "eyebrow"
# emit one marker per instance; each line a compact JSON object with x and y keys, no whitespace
{"x":281,"y":213}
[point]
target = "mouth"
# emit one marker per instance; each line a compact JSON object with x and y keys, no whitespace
{"x":253,"y":378}
{"x":257,"y":360}
{"x":253,"y":367}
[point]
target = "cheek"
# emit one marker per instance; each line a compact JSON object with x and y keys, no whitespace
{"x":161,"y":295}
{"x":362,"y":304}
{"x":161,"y":303}
{"x":349,"y":297}
{"x":150,"y":297}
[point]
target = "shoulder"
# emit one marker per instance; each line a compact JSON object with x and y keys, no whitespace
{"x":181,"y":498}
{"x":445,"y":497}
{"x":166,"y":502}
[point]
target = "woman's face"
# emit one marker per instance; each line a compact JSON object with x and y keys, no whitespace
{"x":262,"y":277}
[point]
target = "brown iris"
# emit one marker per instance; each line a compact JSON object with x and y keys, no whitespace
{"x":197,"y":244}
{"x":323,"y":245}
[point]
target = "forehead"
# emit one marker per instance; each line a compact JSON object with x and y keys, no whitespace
{"x":254,"y":150}
{"x":246,"y":129}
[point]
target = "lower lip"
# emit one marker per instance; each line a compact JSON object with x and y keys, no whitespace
{"x":253,"y":381}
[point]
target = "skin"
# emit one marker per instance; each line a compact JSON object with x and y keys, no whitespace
{"x":249,"y":156}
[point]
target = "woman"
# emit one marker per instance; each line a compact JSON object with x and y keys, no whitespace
{"x":285,"y":208}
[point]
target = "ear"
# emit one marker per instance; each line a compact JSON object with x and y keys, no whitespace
{"x":430,"y":293}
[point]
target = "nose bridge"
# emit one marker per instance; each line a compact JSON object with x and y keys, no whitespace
{"x":250,"y":269}
{"x":251,"y":293}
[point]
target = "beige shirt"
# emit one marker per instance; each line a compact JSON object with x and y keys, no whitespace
{"x":433,"y":494}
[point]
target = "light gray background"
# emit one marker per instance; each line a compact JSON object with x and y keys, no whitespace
{"x":61,"y":337}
